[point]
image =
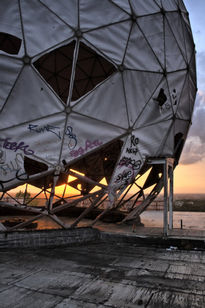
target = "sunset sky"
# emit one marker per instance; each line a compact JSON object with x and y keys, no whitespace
{"x":190,"y":174}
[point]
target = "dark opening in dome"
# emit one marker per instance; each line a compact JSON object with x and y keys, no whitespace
{"x":56,"y":67}
{"x":9,"y":43}
{"x":91,"y":69}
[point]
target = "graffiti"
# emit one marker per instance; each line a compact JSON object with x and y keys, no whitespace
{"x":72,"y":138}
{"x":132,"y":151}
{"x":88,"y":146}
{"x":133,"y":145}
{"x":12,"y":166}
{"x":130,"y":163}
{"x":46,"y":128}
{"x":56,"y":131}
{"x":2,"y":156}
{"x":15,"y":146}
{"x":124,"y":178}
{"x":134,"y":141}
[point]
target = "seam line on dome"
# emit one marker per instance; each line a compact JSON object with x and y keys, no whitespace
{"x":149,"y":45}
{"x":14,"y":84}
{"x":106,"y":26}
{"x":125,"y":99}
{"x":56,"y":15}
{"x":29,"y":121}
{"x":72,"y":80}
{"x":182,"y":54}
{"x":182,"y":90}
{"x":148,"y":101}
{"x":128,"y":39}
{"x":22,"y":27}
{"x":119,"y":7}
{"x":48,"y":85}
{"x":99,"y":120}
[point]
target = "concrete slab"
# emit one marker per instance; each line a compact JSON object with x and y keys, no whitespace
{"x":102,"y":274}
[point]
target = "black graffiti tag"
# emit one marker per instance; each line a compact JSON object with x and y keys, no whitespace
{"x":15,"y":146}
{"x":130,"y":163}
{"x":46,"y":128}
{"x":124,"y":176}
{"x":132,"y":151}
{"x":134,"y":141}
{"x":133,"y":145}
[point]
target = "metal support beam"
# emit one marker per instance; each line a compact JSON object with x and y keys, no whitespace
{"x":171,"y":191}
{"x":87,"y":210}
{"x":165,"y":180}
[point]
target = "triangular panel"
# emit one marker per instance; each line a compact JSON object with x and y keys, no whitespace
{"x":170,"y":5}
{"x":189,"y":44}
{"x":142,"y":7}
{"x":139,"y":54}
{"x":111,"y":14}
{"x":52,"y":30}
{"x":124,"y":4}
{"x":159,"y":108}
{"x":24,"y":141}
{"x":32,"y":90}
{"x":174,"y":57}
{"x":10,"y":69}
{"x":139,"y":88}
{"x":67,"y":10}
{"x":151,"y":138}
{"x":106,"y":103}
{"x":115,"y":40}
{"x":175,"y":21}
{"x":84,"y":135}
{"x":10,"y":23}
{"x":154,"y":34}
{"x":183,"y":110}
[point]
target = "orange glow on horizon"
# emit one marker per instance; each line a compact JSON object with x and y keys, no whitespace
{"x":188,"y":179}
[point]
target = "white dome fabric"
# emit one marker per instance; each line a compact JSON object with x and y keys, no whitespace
{"x":76,"y":76}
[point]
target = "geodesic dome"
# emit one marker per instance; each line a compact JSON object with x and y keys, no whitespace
{"x":98,"y":86}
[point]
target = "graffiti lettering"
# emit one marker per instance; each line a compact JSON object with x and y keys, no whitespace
{"x":72,"y":138}
{"x":15,"y":146}
{"x":12,"y":165}
{"x":124,"y":176}
{"x":88,"y":146}
{"x":56,"y":131}
{"x":134,"y":141}
{"x":132,"y":151}
{"x":130,"y":163}
{"x":46,"y":128}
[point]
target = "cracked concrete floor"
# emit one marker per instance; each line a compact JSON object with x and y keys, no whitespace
{"x":102,"y":275}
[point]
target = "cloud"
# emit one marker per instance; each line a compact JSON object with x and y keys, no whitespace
{"x":200,"y":61}
{"x":194,"y":149}
{"x":193,"y":152}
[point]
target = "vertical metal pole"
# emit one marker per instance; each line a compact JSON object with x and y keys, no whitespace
{"x":165,"y":178}
{"x":52,"y":194}
{"x":171,"y":189}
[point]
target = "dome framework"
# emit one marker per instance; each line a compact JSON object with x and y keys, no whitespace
{"x":92,"y":92}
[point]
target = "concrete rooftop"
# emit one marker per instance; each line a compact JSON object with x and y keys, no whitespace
{"x":102,"y":274}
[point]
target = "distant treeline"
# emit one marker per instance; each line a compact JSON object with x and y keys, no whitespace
{"x":189,"y":205}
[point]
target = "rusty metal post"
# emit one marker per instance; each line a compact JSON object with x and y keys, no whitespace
{"x":171,"y":189}
{"x":165,"y":179}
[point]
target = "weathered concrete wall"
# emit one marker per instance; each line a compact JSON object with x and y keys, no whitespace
{"x":47,"y":238}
